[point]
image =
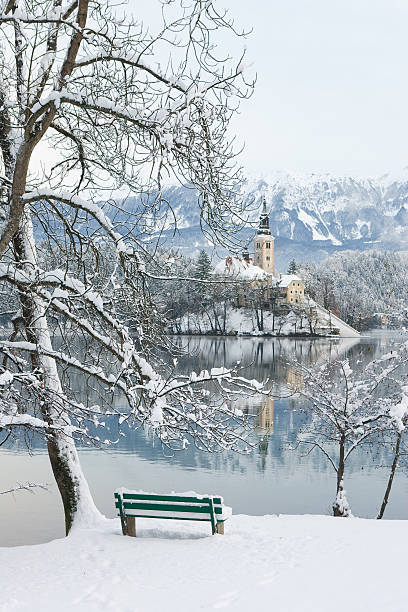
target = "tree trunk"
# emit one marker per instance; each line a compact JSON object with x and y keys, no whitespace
{"x":340,"y":469}
{"x":339,"y":508}
{"x":210,"y":321}
{"x":77,"y":501}
{"x":391,"y":477}
{"x":259,"y":318}
{"x":217,"y":321}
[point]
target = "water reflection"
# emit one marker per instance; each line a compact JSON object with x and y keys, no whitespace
{"x":264,"y":357}
{"x":277,"y":477}
{"x":264,"y":417}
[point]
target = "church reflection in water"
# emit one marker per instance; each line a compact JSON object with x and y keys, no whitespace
{"x":294,"y":379}
{"x":261,"y":413}
{"x":264,"y":416}
{"x":264,"y":426}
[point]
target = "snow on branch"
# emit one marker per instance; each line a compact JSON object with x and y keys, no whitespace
{"x":79,"y":78}
{"x":29,"y":486}
{"x":75,"y":202}
{"x":347,"y":409}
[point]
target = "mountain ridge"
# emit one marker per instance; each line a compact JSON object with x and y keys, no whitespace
{"x":311,"y":216}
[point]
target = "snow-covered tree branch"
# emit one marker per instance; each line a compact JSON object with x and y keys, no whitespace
{"x":121,"y":110}
{"x":351,"y":408}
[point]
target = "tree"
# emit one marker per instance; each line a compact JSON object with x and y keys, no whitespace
{"x":393,"y":470}
{"x":199,"y":293}
{"x":360,"y":286}
{"x":81,"y":79}
{"x":256,"y":293}
{"x":292,"y":268}
{"x":203,"y":267}
{"x":349,"y":410}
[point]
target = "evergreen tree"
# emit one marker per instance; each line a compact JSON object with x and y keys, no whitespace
{"x":203,"y":267}
{"x":292,"y":267}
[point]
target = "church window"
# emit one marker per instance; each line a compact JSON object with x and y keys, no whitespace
{"x":268,"y":245}
{"x":258,"y":245}
{"x":268,"y":258}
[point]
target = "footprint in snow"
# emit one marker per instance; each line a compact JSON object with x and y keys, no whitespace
{"x":268,"y":578}
{"x":226,"y":600}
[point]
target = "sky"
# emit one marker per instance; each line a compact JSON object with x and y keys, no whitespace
{"x":332,"y":89}
{"x":332,"y":86}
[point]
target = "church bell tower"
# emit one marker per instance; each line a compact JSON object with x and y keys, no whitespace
{"x":264,"y":256}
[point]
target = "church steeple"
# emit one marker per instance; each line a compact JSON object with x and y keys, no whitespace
{"x":264,"y":221}
{"x":264,"y":255}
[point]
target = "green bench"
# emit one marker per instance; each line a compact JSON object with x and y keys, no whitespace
{"x":184,"y":507}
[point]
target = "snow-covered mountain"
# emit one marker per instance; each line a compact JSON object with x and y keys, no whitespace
{"x":322,"y":208}
{"x":310,"y":216}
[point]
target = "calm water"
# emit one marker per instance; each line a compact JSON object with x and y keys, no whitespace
{"x":275,"y":478}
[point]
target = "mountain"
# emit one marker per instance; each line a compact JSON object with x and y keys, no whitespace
{"x":311,"y":216}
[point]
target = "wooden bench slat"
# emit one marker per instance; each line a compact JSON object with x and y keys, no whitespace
{"x":176,"y":516}
{"x":175,"y":498}
{"x":173,"y":517}
{"x":165,"y":507}
{"x":203,"y":508}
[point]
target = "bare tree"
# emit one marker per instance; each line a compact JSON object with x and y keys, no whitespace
{"x":120,"y":109}
{"x":350,"y":409}
{"x":393,"y":470}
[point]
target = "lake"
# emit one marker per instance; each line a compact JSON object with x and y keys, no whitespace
{"x":275,"y":478}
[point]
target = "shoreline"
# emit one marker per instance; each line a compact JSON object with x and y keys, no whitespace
{"x":257,"y":335}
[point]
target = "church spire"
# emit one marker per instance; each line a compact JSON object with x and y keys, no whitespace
{"x":264,"y":220}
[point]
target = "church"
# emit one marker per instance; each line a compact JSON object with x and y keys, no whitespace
{"x":280,"y":290}
{"x":264,"y":247}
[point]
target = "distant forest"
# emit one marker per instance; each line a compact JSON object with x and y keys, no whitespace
{"x":360,"y":287}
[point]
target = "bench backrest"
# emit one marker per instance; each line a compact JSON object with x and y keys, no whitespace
{"x":182,"y":507}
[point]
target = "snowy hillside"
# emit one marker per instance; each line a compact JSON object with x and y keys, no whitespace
{"x":311,"y":216}
{"x":243,"y":321}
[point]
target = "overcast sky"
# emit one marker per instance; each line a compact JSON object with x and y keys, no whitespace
{"x":332,"y":91}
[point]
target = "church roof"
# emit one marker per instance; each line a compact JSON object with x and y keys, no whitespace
{"x":239,"y":269}
{"x":286,"y":279}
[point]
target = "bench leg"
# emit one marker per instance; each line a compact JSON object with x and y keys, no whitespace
{"x":131,"y":526}
{"x":220,"y":528}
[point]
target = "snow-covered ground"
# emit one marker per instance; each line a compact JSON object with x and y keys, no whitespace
{"x":346,"y":331}
{"x":285,"y":564}
{"x":243,"y":321}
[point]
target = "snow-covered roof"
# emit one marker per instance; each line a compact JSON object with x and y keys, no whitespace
{"x":239,"y":268}
{"x":286,"y":279}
